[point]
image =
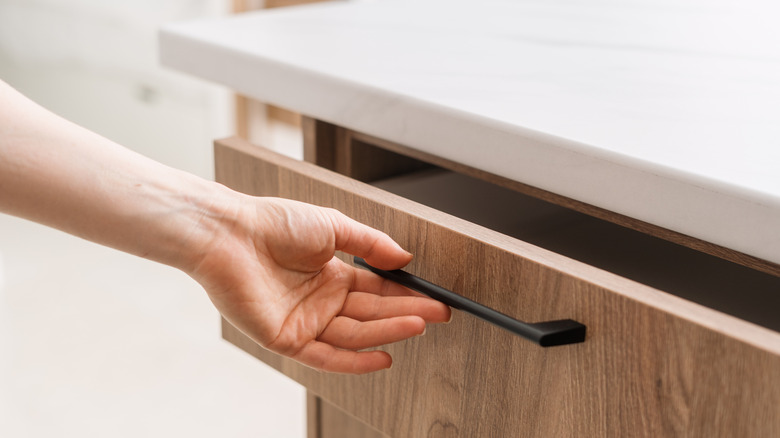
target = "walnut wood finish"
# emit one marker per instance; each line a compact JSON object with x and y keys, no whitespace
{"x":320,"y":145}
{"x":326,"y":420}
{"x":340,"y":150}
{"x":653,"y":364}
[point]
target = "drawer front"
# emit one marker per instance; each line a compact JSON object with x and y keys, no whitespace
{"x":652,"y":364}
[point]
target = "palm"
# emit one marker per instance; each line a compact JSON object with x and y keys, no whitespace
{"x":288,"y":292}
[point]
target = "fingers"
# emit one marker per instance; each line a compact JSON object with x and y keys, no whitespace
{"x":333,"y":351}
{"x":367,"y":281}
{"x":376,"y":247}
{"x":326,"y":357}
{"x":362,"y":306}
{"x":350,"y":334}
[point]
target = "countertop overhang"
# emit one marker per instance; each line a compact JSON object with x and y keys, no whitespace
{"x":665,"y":112}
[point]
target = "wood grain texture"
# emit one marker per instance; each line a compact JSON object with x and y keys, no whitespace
{"x":335,"y":423}
{"x":313,"y":415}
{"x":337,"y":149}
{"x":319,"y":143}
{"x":241,"y":107}
{"x":653,"y":364}
{"x":625,"y":221}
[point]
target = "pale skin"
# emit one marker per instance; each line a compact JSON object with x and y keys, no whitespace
{"x":267,"y":264}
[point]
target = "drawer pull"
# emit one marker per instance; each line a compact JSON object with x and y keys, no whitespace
{"x":546,"y":334}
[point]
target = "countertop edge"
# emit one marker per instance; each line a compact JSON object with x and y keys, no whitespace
{"x":713,"y":212}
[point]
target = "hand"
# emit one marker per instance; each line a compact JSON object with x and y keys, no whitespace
{"x":272,"y":273}
{"x":266,"y":263}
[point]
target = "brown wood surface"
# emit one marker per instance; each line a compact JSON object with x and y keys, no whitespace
{"x":653,"y":364}
{"x":332,"y":422}
{"x":313,"y":415}
{"x":319,"y":143}
{"x":337,"y":149}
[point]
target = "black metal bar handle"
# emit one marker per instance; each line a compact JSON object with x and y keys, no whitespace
{"x":546,"y":334}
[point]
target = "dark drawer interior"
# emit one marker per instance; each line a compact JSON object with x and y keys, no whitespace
{"x":705,"y":279}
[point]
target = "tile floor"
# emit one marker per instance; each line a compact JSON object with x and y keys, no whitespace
{"x":94,"y":342}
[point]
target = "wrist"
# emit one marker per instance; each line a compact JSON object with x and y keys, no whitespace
{"x":212,"y":212}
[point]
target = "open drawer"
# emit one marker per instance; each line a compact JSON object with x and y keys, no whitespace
{"x":653,"y":364}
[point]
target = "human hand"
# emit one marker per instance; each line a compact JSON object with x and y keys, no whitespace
{"x":266,"y":263}
{"x":272,"y":273}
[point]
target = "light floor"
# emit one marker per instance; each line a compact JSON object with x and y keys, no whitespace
{"x":97,"y":343}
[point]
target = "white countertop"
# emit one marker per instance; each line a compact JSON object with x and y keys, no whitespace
{"x":665,"y":111}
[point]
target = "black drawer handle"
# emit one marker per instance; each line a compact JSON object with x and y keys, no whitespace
{"x":546,"y":334}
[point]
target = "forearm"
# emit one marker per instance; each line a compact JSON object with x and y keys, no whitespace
{"x":59,"y":174}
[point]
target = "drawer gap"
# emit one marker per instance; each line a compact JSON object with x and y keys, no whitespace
{"x":719,"y":284}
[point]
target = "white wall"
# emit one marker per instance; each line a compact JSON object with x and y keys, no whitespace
{"x":95,"y":63}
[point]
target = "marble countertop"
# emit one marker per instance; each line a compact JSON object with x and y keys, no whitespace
{"x":664,"y":111}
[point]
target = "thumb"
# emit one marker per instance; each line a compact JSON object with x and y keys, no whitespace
{"x":376,"y":247}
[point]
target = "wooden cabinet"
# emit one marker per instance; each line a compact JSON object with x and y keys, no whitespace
{"x":653,"y":364}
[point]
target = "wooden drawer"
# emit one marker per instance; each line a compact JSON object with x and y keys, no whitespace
{"x":653,"y":364}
